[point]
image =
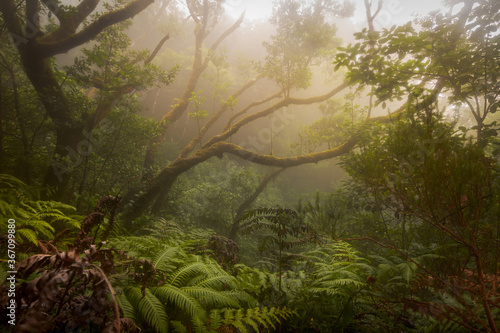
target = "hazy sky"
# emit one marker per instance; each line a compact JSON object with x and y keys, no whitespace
{"x":393,"y":12}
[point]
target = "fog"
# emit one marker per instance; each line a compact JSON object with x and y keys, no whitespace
{"x":241,"y":51}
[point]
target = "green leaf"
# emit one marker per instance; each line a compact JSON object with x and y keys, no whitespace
{"x":149,"y":308}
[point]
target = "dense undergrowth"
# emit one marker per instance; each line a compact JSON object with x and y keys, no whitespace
{"x":92,"y":275}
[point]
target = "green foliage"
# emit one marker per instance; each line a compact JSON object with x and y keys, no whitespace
{"x":196,"y":100}
{"x":244,"y":320}
{"x":265,"y":286}
{"x":210,"y":194}
{"x":338,"y":123}
{"x":286,"y":229}
{"x":442,"y":185}
{"x":303,"y":32}
{"x":191,"y":287}
{"x":407,"y":60}
{"x":116,"y":158}
{"x":110,"y":64}
{"x":424,"y":167}
{"x":26,"y":138}
{"x":35,"y":219}
{"x":220,"y":78}
{"x":194,"y":293}
{"x":334,"y":292}
{"x":327,"y":213}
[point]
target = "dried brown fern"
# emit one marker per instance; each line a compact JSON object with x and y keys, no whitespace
{"x":69,"y":290}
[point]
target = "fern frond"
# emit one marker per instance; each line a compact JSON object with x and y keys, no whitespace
{"x":198,"y":325}
{"x":163,"y":260}
{"x":179,"y":299}
{"x":211,"y":298}
{"x":215,"y":319}
{"x":126,"y":306}
{"x":217,"y":282}
{"x":178,"y":327}
{"x":7,"y":209}
{"x":149,"y":308}
{"x":237,"y":321}
{"x":339,"y":283}
{"x":385,"y":271}
{"x":250,"y":319}
{"x":268,"y":315}
{"x":40,"y":227}
{"x":181,"y":276}
{"x":28,"y":234}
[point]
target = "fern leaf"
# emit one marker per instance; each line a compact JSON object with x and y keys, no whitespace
{"x":238,"y":321}
{"x":217,"y":282}
{"x":41,"y":227}
{"x":126,"y":306}
{"x":249,"y":319}
{"x":29,"y":234}
{"x":211,"y":298}
{"x":198,"y":325}
{"x":215,"y":319}
{"x":178,"y":327}
{"x":258,"y":316}
{"x":181,"y":276}
{"x":163,"y":260}
{"x":179,"y":299}
{"x":7,"y":209}
{"x":149,"y":308}
{"x":267,"y":318}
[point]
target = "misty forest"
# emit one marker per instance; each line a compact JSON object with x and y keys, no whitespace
{"x":298,"y":166}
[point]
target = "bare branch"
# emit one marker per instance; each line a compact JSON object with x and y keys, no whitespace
{"x":251,"y":105}
{"x":248,"y":201}
{"x":157,"y":49}
{"x":271,"y":109}
{"x":219,"y":40}
{"x":189,"y":148}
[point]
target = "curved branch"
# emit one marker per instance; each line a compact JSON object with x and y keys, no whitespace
{"x":249,"y":201}
{"x":251,"y":105}
{"x":284,"y":162}
{"x":219,"y":40}
{"x":69,"y":20}
{"x":157,"y":49}
{"x":48,"y":46}
{"x":218,"y":148}
{"x":285,"y":102}
{"x":189,"y":148}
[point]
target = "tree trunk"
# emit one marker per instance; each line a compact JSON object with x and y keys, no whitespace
{"x":68,"y":128}
{"x":199,"y":66}
{"x":250,"y":200}
{"x":155,"y":196}
{"x":2,"y":157}
{"x":482,"y":289}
